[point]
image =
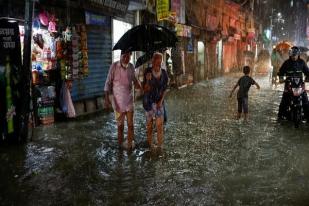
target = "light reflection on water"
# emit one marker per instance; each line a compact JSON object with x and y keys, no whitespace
{"x":209,"y":158}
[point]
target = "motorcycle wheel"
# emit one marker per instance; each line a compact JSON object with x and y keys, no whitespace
{"x":296,"y":117}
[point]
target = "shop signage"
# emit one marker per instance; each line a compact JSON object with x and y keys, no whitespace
{"x":183,"y":30}
{"x":10,"y":70}
{"x":178,"y":6}
{"x":114,"y":7}
{"x":95,"y":19}
{"x":9,"y":40}
{"x":163,"y":9}
{"x":6,"y":34}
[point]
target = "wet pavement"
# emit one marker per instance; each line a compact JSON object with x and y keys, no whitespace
{"x":209,"y":158}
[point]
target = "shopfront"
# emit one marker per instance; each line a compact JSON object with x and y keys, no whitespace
{"x":87,"y":93}
{"x":59,"y":58}
{"x":186,"y":67}
{"x":94,"y":20}
{"x":69,"y":48}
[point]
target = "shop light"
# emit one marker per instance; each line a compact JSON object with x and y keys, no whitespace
{"x":12,"y":20}
{"x":268,"y":33}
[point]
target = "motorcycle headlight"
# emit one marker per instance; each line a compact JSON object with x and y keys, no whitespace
{"x":297,"y":91}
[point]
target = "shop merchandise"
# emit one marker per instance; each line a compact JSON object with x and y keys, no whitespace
{"x":58,"y":58}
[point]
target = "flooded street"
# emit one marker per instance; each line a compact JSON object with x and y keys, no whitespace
{"x":209,"y":158}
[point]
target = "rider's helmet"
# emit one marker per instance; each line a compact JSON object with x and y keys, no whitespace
{"x":294,"y":51}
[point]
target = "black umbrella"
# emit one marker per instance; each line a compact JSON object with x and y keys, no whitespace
{"x":143,"y":59}
{"x":147,"y":56}
{"x":146,"y":37}
{"x":303,"y":49}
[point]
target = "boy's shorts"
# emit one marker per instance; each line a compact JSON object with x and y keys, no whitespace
{"x":154,"y":113}
{"x":242,"y":104}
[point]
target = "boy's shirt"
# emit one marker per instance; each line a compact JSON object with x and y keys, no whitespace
{"x":158,"y":86}
{"x":244,"y":84}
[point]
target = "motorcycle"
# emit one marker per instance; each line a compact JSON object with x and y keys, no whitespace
{"x":295,"y":87}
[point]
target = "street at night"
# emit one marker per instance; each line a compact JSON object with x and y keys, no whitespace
{"x":154,"y":102}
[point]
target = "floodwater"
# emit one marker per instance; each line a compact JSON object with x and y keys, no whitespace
{"x":209,"y":158}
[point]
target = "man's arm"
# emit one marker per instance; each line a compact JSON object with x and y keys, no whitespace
{"x":236,"y":85}
{"x":108,"y":85}
{"x":257,"y":85}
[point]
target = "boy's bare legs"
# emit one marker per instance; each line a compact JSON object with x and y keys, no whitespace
{"x":245,"y":117}
{"x":238,"y":115}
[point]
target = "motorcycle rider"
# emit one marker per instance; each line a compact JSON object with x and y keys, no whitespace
{"x":294,"y":66}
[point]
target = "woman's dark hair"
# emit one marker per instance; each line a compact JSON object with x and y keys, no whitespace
{"x":246,"y":69}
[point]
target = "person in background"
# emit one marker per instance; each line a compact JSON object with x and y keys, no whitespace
{"x":170,"y":79}
{"x":119,"y":93}
{"x":154,"y":86}
{"x":293,"y":67}
{"x":244,"y":84}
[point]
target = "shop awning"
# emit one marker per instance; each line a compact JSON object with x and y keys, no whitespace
{"x":110,"y":7}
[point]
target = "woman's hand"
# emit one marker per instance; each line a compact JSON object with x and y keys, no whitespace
{"x":148,"y":76}
{"x":159,"y":104}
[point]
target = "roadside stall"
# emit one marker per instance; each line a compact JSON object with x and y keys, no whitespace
{"x":59,"y":56}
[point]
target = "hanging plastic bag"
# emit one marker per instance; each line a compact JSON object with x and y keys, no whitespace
{"x":62,"y":98}
{"x":71,"y":110}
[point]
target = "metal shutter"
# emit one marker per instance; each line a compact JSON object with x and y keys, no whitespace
{"x":99,"y":60}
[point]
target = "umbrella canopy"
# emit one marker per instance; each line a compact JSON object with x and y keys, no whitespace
{"x":303,"y":49}
{"x":143,"y":59}
{"x":283,"y":46}
{"x":146,"y":37}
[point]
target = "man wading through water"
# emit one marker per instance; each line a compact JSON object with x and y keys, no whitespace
{"x":119,"y":84}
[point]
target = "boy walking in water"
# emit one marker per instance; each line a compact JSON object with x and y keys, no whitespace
{"x":244,"y":84}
